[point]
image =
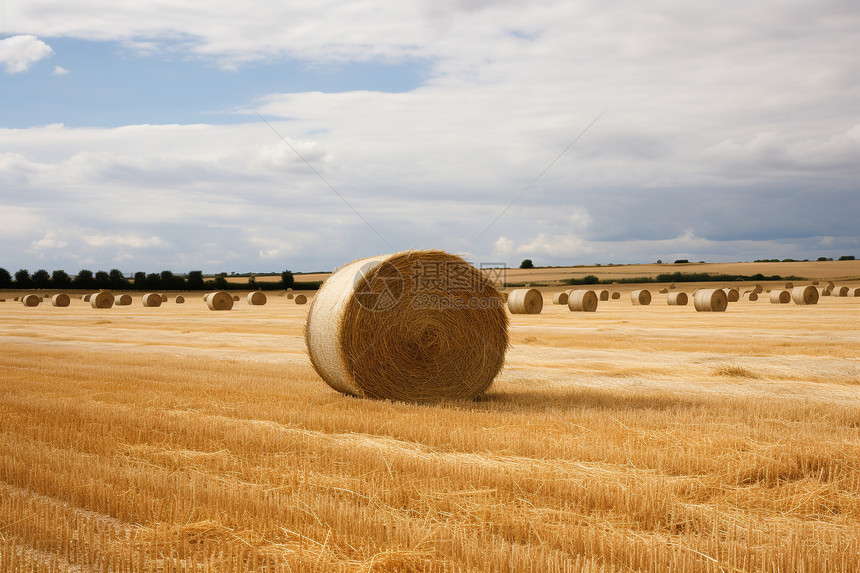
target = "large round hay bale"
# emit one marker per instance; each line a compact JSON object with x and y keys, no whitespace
{"x":840,"y":291}
{"x":180,"y":299}
{"x":616,"y":295}
{"x":732,"y":295}
{"x":753,"y":296}
{"x":603,"y":294}
{"x":525,"y":301}
{"x":219,"y":300}
{"x":257,"y":298}
{"x":377,"y":329}
{"x":560,"y":297}
{"x":758,"y":289}
{"x":677,"y":299}
{"x":710,"y":300}
{"x":152,"y":300}
{"x":582,"y":301}
{"x":301,"y":299}
{"x":122,"y":300}
{"x":780,"y":296}
{"x":61,"y":299}
{"x":101,"y":299}
{"x":641,"y":297}
{"x":31,"y":300}
{"x":804,"y":295}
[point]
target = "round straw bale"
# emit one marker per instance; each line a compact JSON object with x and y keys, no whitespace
{"x":526,"y":301}
{"x":732,"y":295}
{"x":31,"y":300}
{"x":616,"y":295}
{"x":164,"y":298}
{"x":180,"y":299}
{"x":379,"y":328}
{"x":663,"y":290}
{"x":677,"y":299}
{"x":101,"y":299}
{"x":824,"y":291}
{"x":753,"y":296}
{"x":16,"y":299}
{"x":857,"y":292}
{"x":61,"y":299}
{"x":840,"y":291}
{"x":235,"y":297}
{"x":560,"y":297}
{"x":219,"y":300}
{"x":582,"y":301}
{"x":672,"y":286}
{"x":641,"y":297}
{"x":814,"y":283}
{"x":257,"y":298}
{"x":86,"y":297}
{"x":122,"y":300}
{"x":780,"y":296}
{"x":830,"y":285}
{"x":301,"y":299}
{"x":47,"y":296}
{"x":603,"y":295}
{"x":758,"y":289}
{"x":289,"y":289}
{"x":789,"y":286}
{"x":804,"y":295}
{"x":289,"y":295}
{"x":710,"y":300}
{"x":151,"y":299}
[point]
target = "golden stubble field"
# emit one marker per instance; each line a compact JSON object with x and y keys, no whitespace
{"x":631,"y":439}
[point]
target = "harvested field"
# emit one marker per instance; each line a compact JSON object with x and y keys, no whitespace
{"x":645,"y":438}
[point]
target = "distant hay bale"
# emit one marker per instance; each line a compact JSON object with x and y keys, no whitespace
{"x":289,"y":295}
{"x":61,"y":299}
{"x":814,"y":283}
{"x":164,"y":298}
{"x":122,"y":300}
{"x":616,"y":295}
{"x":560,"y":297}
{"x":780,"y":296}
{"x":663,"y":290}
{"x":603,"y":295}
{"x":377,"y":329}
{"x":235,"y":297}
{"x":677,"y":299}
{"x":47,"y":296}
{"x":732,"y":295}
{"x":525,"y":301}
{"x":31,"y":300}
{"x":789,"y":286}
{"x":758,"y":289}
{"x":582,"y":301}
{"x":672,"y":286}
{"x":710,"y":300}
{"x":152,"y":300}
{"x":86,"y":297}
{"x":16,"y":299}
{"x":857,"y":292}
{"x":101,"y":299}
{"x":840,"y":291}
{"x":824,"y":291}
{"x":219,"y":300}
{"x":831,"y":285}
{"x":180,"y":299}
{"x":257,"y":298}
{"x":804,"y":295}
{"x":301,"y":299}
{"x":753,"y":296}
{"x":641,"y":297}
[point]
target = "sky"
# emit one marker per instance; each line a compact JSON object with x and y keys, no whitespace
{"x":263,"y":136}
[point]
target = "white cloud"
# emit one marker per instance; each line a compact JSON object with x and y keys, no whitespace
{"x":555,"y":246}
{"x":49,"y":241}
{"x":18,"y":53}
{"x":131,"y":241}
{"x":60,"y":71}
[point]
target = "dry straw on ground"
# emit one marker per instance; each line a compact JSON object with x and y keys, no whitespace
{"x":641,"y":297}
{"x":61,"y":299}
{"x":525,"y":301}
{"x":582,"y":301}
{"x":31,"y":300}
{"x":122,"y":300}
{"x":257,"y":298}
{"x":710,"y":300}
{"x":101,"y":299}
{"x":301,"y":299}
{"x":780,"y":296}
{"x":152,"y":300}
{"x":219,"y":300}
{"x":377,"y":329}
{"x":804,"y":295}
{"x":677,"y":299}
{"x":560,"y":297}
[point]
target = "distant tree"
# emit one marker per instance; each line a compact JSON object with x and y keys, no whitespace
{"x":590,"y":280}
{"x":824,"y":259}
{"x":659,"y":261}
{"x":221,"y":281}
{"x":84,"y":279}
{"x":169,"y":281}
{"x":682,"y":261}
{"x":102,"y":280}
{"x":846,"y":258}
{"x":41,"y":279}
{"x":139,"y":280}
{"x":288,"y":279}
{"x":527,"y":264}
{"x":61,"y":279}
{"x":22,"y":278}
{"x":252,"y":282}
{"x":195,"y":280}
{"x":5,"y":278}
{"x":117,"y":279}
{"x":153,"y":281}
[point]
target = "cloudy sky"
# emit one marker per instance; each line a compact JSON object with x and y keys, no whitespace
{"x":262,"y":136}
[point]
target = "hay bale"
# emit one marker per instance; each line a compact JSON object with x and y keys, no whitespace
{"x":672,"y":286}
{"x":732,"y":295}
{"x":152,"y":300}
{"x":289,"y":296}
{"x":616,"y":295}
{"x":603,"y":295}
{"x":710,"y":300}
{"x":758,"y":289}
{"x":857,"y":292}
{"x":814,"y":283}
{"x":677,"y":299}
{"x":31,"y":300}
{"x":789,"y":286}
{"x":663,"y":290}
{"x":560,"y":297}
{"x":753,"y":296}
{"x":525,"y":301}
{"x":641,"y":297}
{"x":16,"y":299}
{"x":301,"y":299}
{"x":219,"y":300}
{"x":86,"y":297}
{"x":122,"y":300}
{"x":101,"y":299}
{"x":180,"y":299}
{"x":582,"y":301}
{"x":235,"y":298}
{"x":780,"y":296}
{"x":46,"y":296}
{"x":804,"y":295}
{"x":831,"y":285}
{"x":840,"y":291}
{"x":61,"y":300}
{"x":824,"y":291}
{"x":376,"y":330}
{"x":257,"y":298}
{"x":164,"y":298}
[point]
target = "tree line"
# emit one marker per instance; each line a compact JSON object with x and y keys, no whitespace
{"x":115,"y":280}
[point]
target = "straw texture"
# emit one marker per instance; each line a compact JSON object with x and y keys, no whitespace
{"x":257,"y":298}
{"x":61,"y":300}
{"x":152,"y":299}
{"x":101,"y":299}
{"x":525,"y":301}
{"x":710,"y":300}
{"x":31,"y":300}
{"x":677,"y":299}
{"x":780,"y":296}
{"x":219,"y":300}
{"x":804,"y":295}
{"x":378,"y":328}
{"x":122,"y":300}
{"x":641,"y":297}
{"x":560,"y":298}
{"x":582,"y":301}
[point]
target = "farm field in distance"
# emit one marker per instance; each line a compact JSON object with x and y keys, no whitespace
{"x":633,"y":438}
